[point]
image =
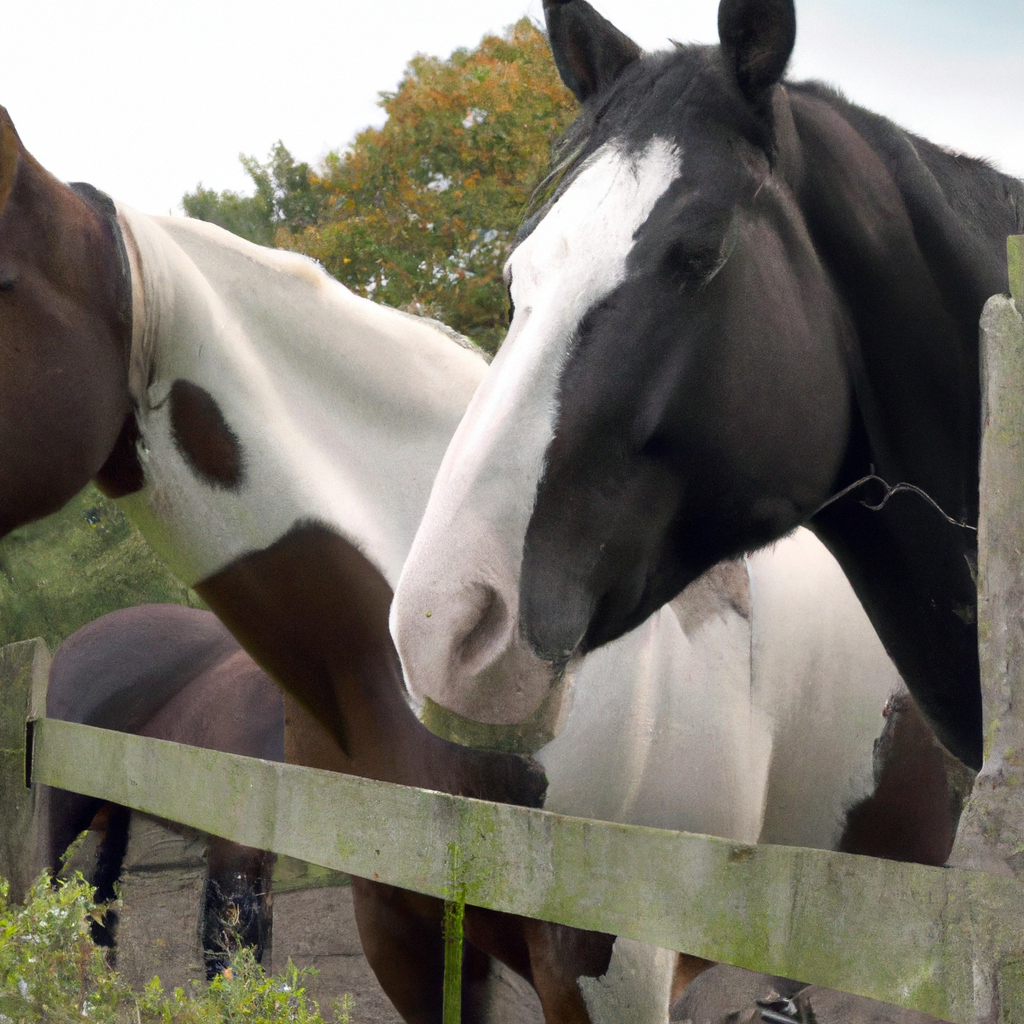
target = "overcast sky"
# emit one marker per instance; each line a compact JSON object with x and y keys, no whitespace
{"x":146,"y":98}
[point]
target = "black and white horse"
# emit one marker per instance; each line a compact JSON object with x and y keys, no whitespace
{"x":735,"y":298}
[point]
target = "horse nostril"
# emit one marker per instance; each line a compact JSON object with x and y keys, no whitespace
{"x":488,"y":635}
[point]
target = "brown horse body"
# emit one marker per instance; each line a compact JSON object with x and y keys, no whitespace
{"x":171,"y":673}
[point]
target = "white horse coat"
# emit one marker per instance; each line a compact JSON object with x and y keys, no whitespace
{"x":753,"y":723}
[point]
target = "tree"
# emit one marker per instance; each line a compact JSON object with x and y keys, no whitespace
{"x":286,"y":194}
{"x":420,"y":214}
{"x":244,"y":215}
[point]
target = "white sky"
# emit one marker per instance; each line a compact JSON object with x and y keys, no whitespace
{"x":146,"y":98}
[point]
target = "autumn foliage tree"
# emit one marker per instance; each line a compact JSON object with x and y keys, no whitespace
{"x":420,"y":213}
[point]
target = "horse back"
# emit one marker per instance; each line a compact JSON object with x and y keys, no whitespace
{"x":119,"y":670}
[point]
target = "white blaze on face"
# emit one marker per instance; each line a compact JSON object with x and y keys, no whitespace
{"x":475,"y":524}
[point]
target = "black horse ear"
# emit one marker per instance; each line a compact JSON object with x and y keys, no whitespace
{"x":589,"y":51}
{"x":757,"y":39}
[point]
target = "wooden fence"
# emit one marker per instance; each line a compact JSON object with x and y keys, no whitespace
{"x":946,"y":941}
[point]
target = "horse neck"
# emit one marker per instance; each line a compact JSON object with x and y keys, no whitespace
{"x":960,"y":209}
{"x":313,"y":612}
{"x":64,"y":336}
{"x":914,"y":259}
{"x":340,"y":409}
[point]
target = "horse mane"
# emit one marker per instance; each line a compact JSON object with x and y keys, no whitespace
{"x":107,"y":210}
{"x":973,"y":188}
{"x":567,"y":151}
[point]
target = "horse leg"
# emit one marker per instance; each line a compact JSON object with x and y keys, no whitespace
{"x":236,"y":907}
{"x":63,"y":817}
{"x":591,"y":978}
{"x":402,"y":934}
{"x":559,"y":957}
{"x":109,"y":861}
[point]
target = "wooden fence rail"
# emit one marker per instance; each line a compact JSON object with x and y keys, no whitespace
{"x":896,"y":932}
{"x":946,"y":941}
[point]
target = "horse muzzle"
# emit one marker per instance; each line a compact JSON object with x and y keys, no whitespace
{"x":461,"y":650}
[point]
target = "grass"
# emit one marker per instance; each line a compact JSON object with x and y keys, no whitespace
{"x":68,"y":569}
{"x":51,"y":972}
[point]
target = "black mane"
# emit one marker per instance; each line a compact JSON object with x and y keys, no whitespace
{"x":973,"y":187}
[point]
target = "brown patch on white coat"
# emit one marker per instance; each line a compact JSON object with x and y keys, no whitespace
{"x":202,"y":436}
{"x":920,"y":789}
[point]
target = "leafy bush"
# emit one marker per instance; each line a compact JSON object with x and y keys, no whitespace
{"x":242,"y":994}
{"x":51,"y":971}
{"x":49,"y":968}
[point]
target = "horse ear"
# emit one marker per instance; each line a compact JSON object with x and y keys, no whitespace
{"x":10,"y":146}
{"x":589,"y":51}
{"x":757,"y":39}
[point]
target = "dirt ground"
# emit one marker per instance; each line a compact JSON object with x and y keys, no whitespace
{"x":162,"y":886}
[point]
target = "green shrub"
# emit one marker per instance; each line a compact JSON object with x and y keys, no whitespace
{"x":245,"y":994}
{"x":49,"y":968}
{"x":50,"y":971}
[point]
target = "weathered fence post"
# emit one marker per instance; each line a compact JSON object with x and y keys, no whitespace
{"x":24,"y":669}
{"x":991,"y":835}
{"x":162,"y":888}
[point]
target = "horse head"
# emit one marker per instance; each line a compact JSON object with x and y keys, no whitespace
{"x":672,"y":390}
{"x":65,"y":335}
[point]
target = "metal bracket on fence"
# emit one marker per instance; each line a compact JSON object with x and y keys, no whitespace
{"x":774,"y":1017}
{"x":778,"y":1011}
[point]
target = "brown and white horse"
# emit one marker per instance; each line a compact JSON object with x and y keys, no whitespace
{"x":275,"y":438}
{"x":176,"y":673}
